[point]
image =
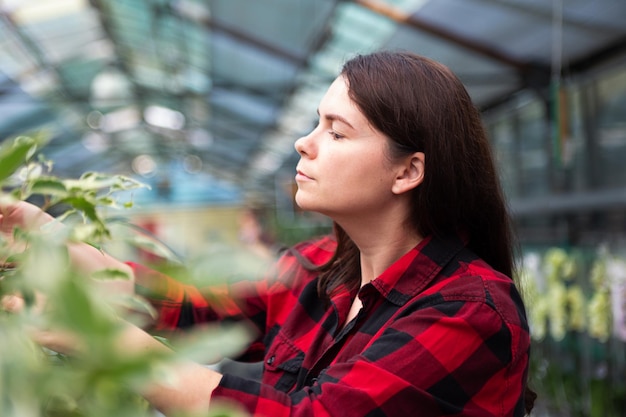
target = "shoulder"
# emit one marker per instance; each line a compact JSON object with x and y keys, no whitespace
{"x":469,"y":279}
{"x":298,"y":263}
{"x":316,"y":250}
{"x":471,"y":302}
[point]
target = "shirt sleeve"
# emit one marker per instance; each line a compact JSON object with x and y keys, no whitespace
{"x":180,"y":305}
{"x":452,"y":358}
{"x":164,"y":293}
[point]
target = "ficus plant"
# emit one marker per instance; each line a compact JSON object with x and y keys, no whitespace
{"x":34,"y":264}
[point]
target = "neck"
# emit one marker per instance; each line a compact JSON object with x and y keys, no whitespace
{"x":381,"y":242}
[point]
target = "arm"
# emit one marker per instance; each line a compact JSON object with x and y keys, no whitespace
{"x":170,"y":396}
{"x":188,"y":388}
{"x":86,"y":258}
{"x":191,"y":385}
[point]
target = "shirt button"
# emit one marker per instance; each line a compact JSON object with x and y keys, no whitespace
{"x":270,"y":360}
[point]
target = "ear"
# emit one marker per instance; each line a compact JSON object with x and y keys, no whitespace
{"x":410,"y":173}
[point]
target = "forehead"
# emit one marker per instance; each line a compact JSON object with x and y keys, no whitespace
{"x":337,"y":101}
{"x":338,"y":87}
{"x":337,"y":106}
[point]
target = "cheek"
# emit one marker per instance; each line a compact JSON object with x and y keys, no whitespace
{"x":367,"y":171}
{"x":362,"y":185}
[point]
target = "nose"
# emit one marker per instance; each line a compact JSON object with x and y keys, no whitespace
{"x":303,"y":146}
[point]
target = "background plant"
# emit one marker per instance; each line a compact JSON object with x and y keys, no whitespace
{"x":579,"y":355}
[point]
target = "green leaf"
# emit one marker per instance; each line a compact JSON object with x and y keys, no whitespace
{"x":153,"y":246}
{"x":85,"y":232}
{"x":106,"y":201}
{"x":14,"y":154}
{"x":110,"y":273}
{"x":85,"y":205}
{"x":77,"y":310}
{"x":213,"y":342}
{"x":48,"y":186}
{"x":95,"y":181}
{"x":137,"y":304}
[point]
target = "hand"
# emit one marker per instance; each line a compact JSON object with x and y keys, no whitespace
{"x":18,"y":214}
{"x":188,"y":385}
{"x":27,"y":216}
{"x":60,"y":341}
{"x":21,"y":214}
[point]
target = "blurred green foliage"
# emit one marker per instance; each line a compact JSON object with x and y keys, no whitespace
{"x":37,"y":382}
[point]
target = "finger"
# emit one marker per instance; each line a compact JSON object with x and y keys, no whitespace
{"x":60,"y":341}
{"x":12,"y":303}
{"x":15,"y":303}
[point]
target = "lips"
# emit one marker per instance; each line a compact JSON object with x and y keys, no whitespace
{"x":301,"y":176}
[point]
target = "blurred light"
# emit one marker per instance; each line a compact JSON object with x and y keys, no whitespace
{"x":163,"y":117}
{"x":110,"y":88}
{"x":100,"y":49}
{"x":192,"y":164}
{"x":96,"y":142}
{"x":144,"y":165}
{"x":200,"y":138}
{"x":268,"y":162}
{"x":195,"y":80}
{"x":119,"y":120}
{"x":43,"y":10}
{"x":39,"y":82}
{"x":192,"y":10}
{"x":94,"y":119}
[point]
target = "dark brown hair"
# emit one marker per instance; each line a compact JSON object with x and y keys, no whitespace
{"x":421,"y":106}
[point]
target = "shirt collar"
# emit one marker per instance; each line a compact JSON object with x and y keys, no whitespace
{"x":415,"y":270}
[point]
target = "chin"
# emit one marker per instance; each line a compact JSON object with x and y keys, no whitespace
{"x":305,"y":203}
{"x":302,"y":203}
{"x":298,"y":199}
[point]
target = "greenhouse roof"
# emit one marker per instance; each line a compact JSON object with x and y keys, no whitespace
{"x":224,"y":87}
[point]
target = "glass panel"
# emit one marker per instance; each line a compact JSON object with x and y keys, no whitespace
{"x":534,"y":152}
{"x":505,"y":151}
{"x":611,"y":130}
{"x":575,"y":152}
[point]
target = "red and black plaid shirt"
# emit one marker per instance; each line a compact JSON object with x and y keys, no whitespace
{"x":440,"y":333}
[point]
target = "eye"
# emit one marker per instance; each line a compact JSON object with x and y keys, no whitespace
{"x":335,"y":135}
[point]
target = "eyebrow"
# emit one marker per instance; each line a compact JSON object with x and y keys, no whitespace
{"x":332,"y":117}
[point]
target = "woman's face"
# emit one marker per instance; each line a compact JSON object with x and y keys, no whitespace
{"x":344,"y":170}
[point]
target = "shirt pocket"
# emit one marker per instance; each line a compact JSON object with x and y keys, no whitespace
{"x":283,"y":363}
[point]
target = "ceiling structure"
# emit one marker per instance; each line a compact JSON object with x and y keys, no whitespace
{"x":206,"y":98}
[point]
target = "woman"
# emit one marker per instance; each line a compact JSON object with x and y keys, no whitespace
{"x":409,"y":309}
